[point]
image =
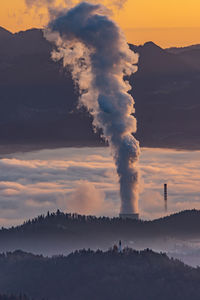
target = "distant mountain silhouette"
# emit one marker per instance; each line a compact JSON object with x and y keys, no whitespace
{"x":38,"y":98}
{"x":178,"y":50}
{"x":191,"y":55}
{"x":82,"y":275}
{"x":155,"y":61}
{"x":4,"y":33}
{"x":62,"y":233}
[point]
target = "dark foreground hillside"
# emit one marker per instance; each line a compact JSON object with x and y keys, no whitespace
{"x":12,"y":297}
{"x":99,"y":275}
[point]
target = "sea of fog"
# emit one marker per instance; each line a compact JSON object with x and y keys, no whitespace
{"x":84,"y":180}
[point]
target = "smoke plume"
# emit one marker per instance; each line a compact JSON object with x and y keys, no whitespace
{"x":87,"y":199}
{"x":69,"y":3}
{"x":96,"y":50}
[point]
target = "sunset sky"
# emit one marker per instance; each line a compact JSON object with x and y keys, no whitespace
{"x":166,"y":22}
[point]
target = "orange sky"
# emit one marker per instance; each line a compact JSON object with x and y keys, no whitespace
{"x":166,"y":22}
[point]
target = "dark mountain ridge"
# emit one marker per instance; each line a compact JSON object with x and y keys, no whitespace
{"x":99,"y":275}
{"x":155,"y":61}
{"x":38,"y":97}
{"x":191,"y":55}
{"x":178,"y":50}
{"x":4,"y":33}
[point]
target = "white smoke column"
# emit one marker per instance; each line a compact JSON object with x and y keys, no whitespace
{"x":97,"y":52}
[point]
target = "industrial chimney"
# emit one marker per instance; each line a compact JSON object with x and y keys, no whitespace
{"x":165,"y":196}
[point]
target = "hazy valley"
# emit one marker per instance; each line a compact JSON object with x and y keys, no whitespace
{"x":59,"y":233}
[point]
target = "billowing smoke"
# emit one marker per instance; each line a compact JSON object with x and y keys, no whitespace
{"x":99,"y":57}
{"x":89,"y":200}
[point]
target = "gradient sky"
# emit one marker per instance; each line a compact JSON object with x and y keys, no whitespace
{"x":166,"y":22}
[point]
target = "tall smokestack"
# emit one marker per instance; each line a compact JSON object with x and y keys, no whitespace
{"x":95,"y":48}
{"x":165,"y":196}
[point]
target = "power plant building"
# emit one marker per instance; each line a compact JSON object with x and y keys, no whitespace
{"x":129,"y":216}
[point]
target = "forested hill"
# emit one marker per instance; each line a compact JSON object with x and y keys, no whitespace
{"x":99,"y":275}
{"x":62,"y":233}
{"x":184,"y":222}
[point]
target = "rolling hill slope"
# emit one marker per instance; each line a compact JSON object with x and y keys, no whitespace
{"x":99,"y":275}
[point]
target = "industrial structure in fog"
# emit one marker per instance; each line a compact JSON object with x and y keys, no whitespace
{"x":165,"y":196}
{"x":135,"y":216}
{"x":129,"y":216}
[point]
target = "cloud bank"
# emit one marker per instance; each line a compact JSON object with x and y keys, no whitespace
{"x":33,"y":183}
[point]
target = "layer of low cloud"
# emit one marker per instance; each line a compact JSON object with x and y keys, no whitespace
{"x":85,"y":181}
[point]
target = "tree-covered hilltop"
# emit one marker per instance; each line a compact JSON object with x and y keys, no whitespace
{"x":183,"y":223}
{"x":85,"y":274}
{"x":58,"y":232}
